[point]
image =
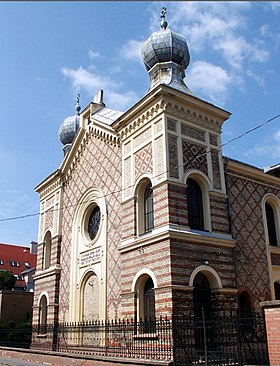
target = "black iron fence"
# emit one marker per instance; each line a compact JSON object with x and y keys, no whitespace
{"x":222,"y":340}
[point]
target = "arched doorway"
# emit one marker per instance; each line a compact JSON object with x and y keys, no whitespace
{"x":202,"y":310}
{"x":201,"y":296}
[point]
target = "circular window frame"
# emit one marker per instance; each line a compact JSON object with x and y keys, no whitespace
{"x":85,"y":224}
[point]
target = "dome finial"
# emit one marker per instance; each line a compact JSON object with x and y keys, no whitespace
{"x":163,"y":22}
{"x":78,"y":107}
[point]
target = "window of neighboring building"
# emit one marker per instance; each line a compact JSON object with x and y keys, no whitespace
{"x":42,"y":329}
{"x":47,"y":251}
{"x":271,"y":224}
{"x":277,"y":290}
{"x":148,"y":209}
{"x":195,"y":205}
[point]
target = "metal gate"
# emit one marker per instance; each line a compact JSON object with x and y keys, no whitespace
{"x":222,"y":340}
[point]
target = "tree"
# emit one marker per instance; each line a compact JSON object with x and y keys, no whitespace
{"x":7,"y":280}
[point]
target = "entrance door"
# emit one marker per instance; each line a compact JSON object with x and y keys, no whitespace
{"x":202,"y":311}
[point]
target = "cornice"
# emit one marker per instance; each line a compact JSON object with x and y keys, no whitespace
{"x":169,"y":232}
{"x":197,"y":118}
{"x":54,"y":270}
{"x":141,"y":119}
{"x":49,"y":185}
{"x":248,"y":172}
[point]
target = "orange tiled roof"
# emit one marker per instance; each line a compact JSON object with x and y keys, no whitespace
{"x":16,"y":259}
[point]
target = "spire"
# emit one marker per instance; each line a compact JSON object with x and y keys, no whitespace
{"x":163,"y":22}
{"x":78,"y":107}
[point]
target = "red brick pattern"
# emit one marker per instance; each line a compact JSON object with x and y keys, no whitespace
{"x":156,"y":258}
{"x":248,"y":229}
{"x":88,"y":173}
{"x":219,"y":214}
{"x":272,"y":320}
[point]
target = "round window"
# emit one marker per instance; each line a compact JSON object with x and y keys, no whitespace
{"x":94,"y":222}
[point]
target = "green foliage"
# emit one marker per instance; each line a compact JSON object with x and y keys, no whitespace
{"x":7,"y":280}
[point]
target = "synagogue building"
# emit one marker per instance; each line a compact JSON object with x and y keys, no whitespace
{"x":145,"y":217}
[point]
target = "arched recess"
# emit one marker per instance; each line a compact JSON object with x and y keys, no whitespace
{"x":43,"y":303}
{"x":143,"y":286}
{"x":143,"y":193}
{"x":89,"y":297}
{"x":197,"y":188}
{"x":47,"y":249}
{"x":89,"y":251}
{"x":244,"y":304}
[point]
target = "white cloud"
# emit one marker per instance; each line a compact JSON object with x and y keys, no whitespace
{"x":87,"y":80}
{"x":269,"y":148}
{"x":132,"y":50}
{"x":93,"y":54}
{"x":274,"y":6}
{"x":211,"y":81}
{"x":91,"y":82}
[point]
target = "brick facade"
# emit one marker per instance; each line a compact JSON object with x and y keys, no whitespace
{"x":165,"y":148}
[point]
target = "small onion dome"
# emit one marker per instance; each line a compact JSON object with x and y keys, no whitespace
{"x":67,"y":131}
{"x":70,"y":126}
{"x":165,"y":46}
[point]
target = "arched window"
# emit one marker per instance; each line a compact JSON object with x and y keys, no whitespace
{"x":145,"y":210}
{"x":195,"y":205}
{"x":42,"y":329}
{"x":47,"y":251}
{"x":148,"y":209}
{"x":271,"y":224}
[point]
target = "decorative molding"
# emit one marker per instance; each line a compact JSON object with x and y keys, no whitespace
{"x":142,"y":120}
{"x":170,"y":232}
{"x":50,"y":189}
{"x":54,"y":270}
{"x":198,"y":119}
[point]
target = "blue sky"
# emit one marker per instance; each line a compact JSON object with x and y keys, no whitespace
{"x":50,"y":51}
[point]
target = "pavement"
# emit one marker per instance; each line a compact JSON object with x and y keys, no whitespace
{"x":22,"y":357}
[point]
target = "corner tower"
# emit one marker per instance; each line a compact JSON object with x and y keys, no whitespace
{"x":174,"y":199}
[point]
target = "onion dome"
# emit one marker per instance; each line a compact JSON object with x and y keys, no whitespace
{"x":69,"y":128}
{"x":166,"y":56}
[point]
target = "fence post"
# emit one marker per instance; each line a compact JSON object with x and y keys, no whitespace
{"x":204,"y":337}
{"x":237,"y":325}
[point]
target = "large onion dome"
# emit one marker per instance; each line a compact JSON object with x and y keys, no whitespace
{"x":166,"y":56}
{"x":69,"y":127}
